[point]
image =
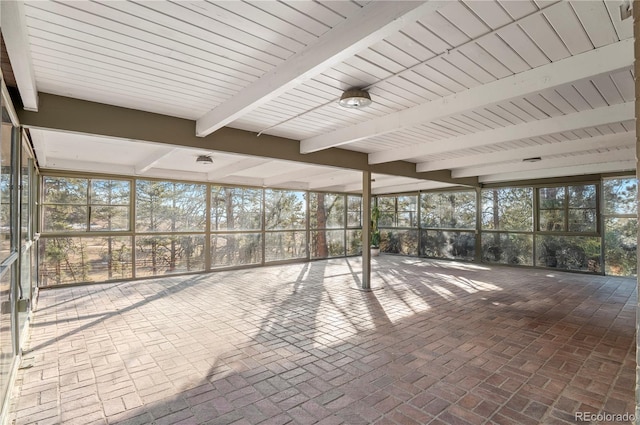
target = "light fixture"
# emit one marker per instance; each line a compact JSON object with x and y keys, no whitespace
{"x":534,"y":159}
{"x":204,"y":160}
{"x":355,"y":98}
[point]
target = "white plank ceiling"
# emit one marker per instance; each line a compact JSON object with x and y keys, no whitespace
{"x":469,"y":86}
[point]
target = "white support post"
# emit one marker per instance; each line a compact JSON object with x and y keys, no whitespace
{"x":366,"y":231}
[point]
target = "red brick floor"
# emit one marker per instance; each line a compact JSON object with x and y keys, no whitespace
{"x":440,"y":343}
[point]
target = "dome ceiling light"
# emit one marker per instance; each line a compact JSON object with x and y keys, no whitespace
{"x":355,"y":99}
{"x":204,"y":160}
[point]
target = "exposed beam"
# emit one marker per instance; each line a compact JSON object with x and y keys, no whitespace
{"x":570,"y":122}
{"x":163,"y":173}
{"x":376,"y":21}
{"x":566,"y":161}
{"x":338,"y":178}
{"x":411,"y":187}
{"x":89,"y":166}
{"x":292,"y":185}
{"x":241,"y":165}
{"x":332,"y":188}
{"x":84,"y":117}
{"x":608,"y":167}
{"x":14,"y":31}
{"x":296,"y":175}
{"x":247,"y":181}
{"x":568,"y":146}
{"x":595,"y":62}
{"x":148,"y":163}
{"x":40,"y":147}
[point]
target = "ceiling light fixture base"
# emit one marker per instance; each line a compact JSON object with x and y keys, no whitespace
{"x":355,"y":99}
{"x":204,"y":160}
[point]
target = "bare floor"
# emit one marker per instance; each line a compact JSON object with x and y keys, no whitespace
{"x":440,"y":343}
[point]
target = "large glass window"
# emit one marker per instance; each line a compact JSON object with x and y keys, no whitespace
{"x":407,"y":215}
{"x":236,"y":220}
{"x":170,"y":206}
{"x":25,"y":200}
{"x":110,"y":201}
{"x":236,"y":249}
{"x":327,"y":224}
{"x":84,"y":259}
{"x":236,"y":208}
{"x":507,"y":209}
{"x":399,"y":241}
{"x":65,"y":207}
{"x":398,"y":224}
{"x":354,"y":211}
{"x":81,"y":205}
{"x":6,"y":174}
{"x":6,"y":339}
{"x":620,"y":226}
{"x":448,"y":244}
{"x":167,"y":254}
{"x":507,"y":225}
{"x":567,"y":208}
{"x":441,"y":215}
{"x":564,"y":211}
{"x":568,"y":252}
{"x":448,"y":210}
{"x":285,"y":223}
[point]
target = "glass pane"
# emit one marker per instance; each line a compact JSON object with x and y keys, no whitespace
{"x":110,"y":192}
{"x":620,"y":195}
{"x":507,"y":248}
{"x":64,"y":218}
{"x":399,"y":241}
{"x":354,"y":242}
{"x":285,"y":245}
{"x":621,"y":246}
{"x":582,"y":196}
{"x":285,"y":209}
{"x":568,"y":252}
{"x":5,"y":190}
{"x":64,"y":190}
{"x":236,"y":208}
{"x":582,"y":220}
{"x":387,"y":207}
{"x":552,"y":220}
{"x":104,"y":218}
{"x":448,"y":210}
{"x":551,"y":197}
{"x":326,"y":210}
{"x":24,"y":288}
{"x":443,"y":244}
{"x":508,"y":208}
{"x":236,"y":249}
{"x":354,"y":211}
{"x":74,"y":259}
{"x":407,"y":211}
{"x":25,"y":195}
{"x":170,"y":207}
{"x":167,"y":254}
{"x":327,"y":243}
{"x":6,"y":340}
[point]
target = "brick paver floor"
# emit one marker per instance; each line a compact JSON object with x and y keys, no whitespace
{"x":440,"y":343}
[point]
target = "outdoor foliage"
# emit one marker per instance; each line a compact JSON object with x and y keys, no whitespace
{"x":620,"y":225}
{"x":448,"y":244}
{"x":509,"y":209}
{"x":507,"y":248}
{"x":448,"y":210}
{"x":568,"y":252}
{"x":285,"y":212}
